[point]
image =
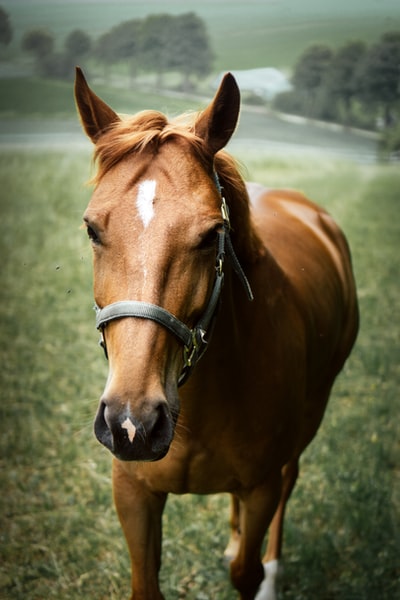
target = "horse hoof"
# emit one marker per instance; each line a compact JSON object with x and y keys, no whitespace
{"x":267,"y":589}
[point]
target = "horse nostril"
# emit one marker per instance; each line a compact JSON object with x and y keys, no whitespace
{"x":161,"y":420}
{"x":102,"y":428}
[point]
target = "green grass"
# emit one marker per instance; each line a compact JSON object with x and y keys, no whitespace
{"x":37,"y":97}
{"x":59,"y":536}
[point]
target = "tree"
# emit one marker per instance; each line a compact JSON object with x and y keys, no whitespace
{"x":78,"y":44}
{"x":341,"y":76}
{"x":121,"y":43}
{"x":310,"y":73}
{"x":159,"y":43}
{"x":389,"y":143}
{"x":6,"y":32}
{"x":157,"y":47}
{"x":379,"y":75}
{"x":192,"y":51}
{"x":39,"y":42}
{"x":103,"y":50}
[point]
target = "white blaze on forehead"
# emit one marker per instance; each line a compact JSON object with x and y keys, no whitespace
{"x":144,"y":200}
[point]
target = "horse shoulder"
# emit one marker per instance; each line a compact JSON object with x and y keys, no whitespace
{"x":312,"y":251}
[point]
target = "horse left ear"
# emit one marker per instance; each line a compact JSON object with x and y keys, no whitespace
{"x":217,"y":122}
{"x":95,"y":114}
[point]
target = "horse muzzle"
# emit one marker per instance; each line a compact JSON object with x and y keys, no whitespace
{"x":142,"y":437}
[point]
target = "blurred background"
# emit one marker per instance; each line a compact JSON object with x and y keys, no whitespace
{"x":320,"y":86}
{"x":309,"y":71}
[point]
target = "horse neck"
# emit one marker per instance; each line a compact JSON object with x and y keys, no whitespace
{"x":265,"y":275}
{"x":248,"y":246}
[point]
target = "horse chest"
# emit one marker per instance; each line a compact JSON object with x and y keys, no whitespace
{"x":221,"y":460}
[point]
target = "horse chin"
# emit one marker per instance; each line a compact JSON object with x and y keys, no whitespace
{"x":131,"y":456}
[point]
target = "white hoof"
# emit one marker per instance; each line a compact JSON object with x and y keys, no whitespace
{"x":267,"y":589}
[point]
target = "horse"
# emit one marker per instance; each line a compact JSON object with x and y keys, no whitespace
{"x":226,"y":311}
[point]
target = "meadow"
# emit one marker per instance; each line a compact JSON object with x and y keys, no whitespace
{"x":59,"y":535}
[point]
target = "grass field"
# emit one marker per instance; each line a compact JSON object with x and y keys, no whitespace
{"x":36,"y":97}
{"x":59,"y":536}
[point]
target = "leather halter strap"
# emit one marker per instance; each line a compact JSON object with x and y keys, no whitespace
{"x":194,"y":340}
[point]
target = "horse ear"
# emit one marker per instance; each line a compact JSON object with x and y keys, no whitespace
{"x":95,"y":114}
{"x":217,"y":122}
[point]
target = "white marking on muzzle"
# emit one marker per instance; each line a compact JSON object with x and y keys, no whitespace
{"x":144,"y":200}
{"x":130,"y":428}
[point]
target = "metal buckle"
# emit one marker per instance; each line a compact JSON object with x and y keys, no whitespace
{"x":198,"y":340}
{"x":225,"y":212}
{"x":102,"y":343}
{"x":219,"y":266}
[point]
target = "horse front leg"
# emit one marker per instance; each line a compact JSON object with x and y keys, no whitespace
{"x":233,"y":545}
{"x":271,"y":558}
{"x":257,"y":508}
{"x":140,"y":514}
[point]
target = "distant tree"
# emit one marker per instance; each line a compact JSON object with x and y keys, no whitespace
{"x":38,"y":42}
{"x":379,"y":75}
{"x":120,"y":44}
{"x":309,"y":75}
{"x":389,"y":144}
{"x":103,"y":50}
{"x":192,"y":54}
{"x":157,"y":47}
{"x":78,"y":44}
{"x":160,"y":43}
{"x":56,"y":65}
{"x":6,"y":32}
{"x":342,"y":82}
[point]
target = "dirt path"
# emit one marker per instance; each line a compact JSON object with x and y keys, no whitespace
{"x":257,"y":131}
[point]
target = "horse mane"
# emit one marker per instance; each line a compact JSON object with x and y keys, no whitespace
{"x":149,"y":129}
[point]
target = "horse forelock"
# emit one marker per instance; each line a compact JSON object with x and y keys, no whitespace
{"x":147,"y":131}
{"x":143,"y":132}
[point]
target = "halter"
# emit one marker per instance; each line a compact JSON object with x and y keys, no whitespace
{"x":194,"y":340}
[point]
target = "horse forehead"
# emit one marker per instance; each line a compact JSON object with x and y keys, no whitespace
{"x":145,"y":200}
{"x":148,"y":182}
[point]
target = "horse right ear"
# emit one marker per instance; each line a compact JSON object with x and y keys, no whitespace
{"x":96,"y":116}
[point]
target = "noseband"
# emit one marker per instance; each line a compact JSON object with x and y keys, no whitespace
{"x":194,"y":340}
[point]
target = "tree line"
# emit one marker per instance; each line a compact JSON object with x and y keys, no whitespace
{"x":354,"y":85}
{"x":159,"y":43}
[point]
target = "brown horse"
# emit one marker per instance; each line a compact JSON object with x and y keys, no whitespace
{"x":170,"y":220}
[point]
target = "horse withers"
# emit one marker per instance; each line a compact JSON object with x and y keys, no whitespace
{"x":187,"y":259}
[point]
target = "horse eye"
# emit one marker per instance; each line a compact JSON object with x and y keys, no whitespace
{"x":209,"y":239}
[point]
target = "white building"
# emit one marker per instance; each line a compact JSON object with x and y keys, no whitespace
{"x":266,"y":82}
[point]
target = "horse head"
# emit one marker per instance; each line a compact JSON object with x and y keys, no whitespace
{"x":155,"y":223}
